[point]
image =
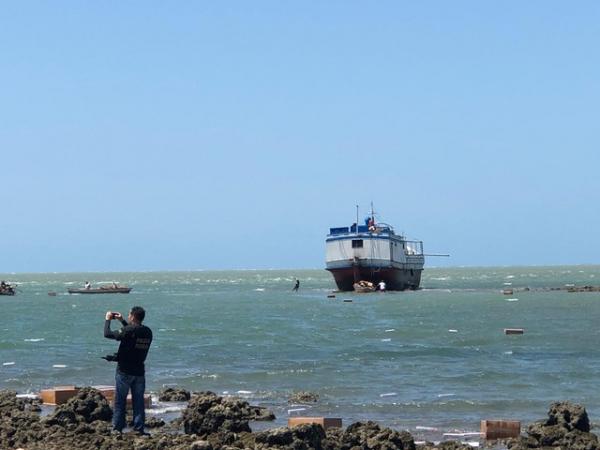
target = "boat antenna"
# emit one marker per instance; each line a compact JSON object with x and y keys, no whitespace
{"x":372,"y":213}
{"x":356,"y":219}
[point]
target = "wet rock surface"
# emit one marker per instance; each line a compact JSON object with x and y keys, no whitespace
{"x":174,"y":395}
{"x":211,"y":422}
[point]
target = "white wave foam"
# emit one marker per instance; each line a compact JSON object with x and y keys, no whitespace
{"x":10,"y":363}
{"x":260,"y":289}
{"x":289,"y":411}
{"x":390,"y":330}
{"x":446,"y":395}
{"x":244,"y":392}
{"x":420,"y":427}
{"x":32,"y":396}
{"x":388,"y":394}
{"x":386,"y":340}
{"x":512,"y":299}
{"x":34,"y":340}
{"x":59,"y":366}
{"x":166,"y":409}
{"x":452,"y":330}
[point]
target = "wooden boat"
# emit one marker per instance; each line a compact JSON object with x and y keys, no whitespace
{"x":373,"y":252}
{"x":101,"y":290}
{"x":7,"y":289}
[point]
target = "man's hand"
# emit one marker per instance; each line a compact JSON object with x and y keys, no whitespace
{"x":118,"y":316}
{"x":109,"y":315}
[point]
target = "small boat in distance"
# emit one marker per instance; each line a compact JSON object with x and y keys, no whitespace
{"x":373,"y":253}
{"x":7,"y":289}
{"x":106,"y":289}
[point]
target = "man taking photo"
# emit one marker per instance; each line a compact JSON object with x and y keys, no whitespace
{"x":135,"y":340}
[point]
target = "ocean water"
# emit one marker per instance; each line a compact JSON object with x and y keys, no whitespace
{"x":429,"y":361}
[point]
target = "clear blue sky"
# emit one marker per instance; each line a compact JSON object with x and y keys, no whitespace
{"x":147,"y":135}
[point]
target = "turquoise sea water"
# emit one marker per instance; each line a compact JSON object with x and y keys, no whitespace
{"x":437,"y":357}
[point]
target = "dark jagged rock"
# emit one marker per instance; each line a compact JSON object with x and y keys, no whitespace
{"x":567,"y":426}
{"x":208,"y":413}
{"x":302,"y":437}
{"x":445,"y":445}
{"x":87,"y":406}
{"x":174,"y":395}
{"x":303,"y":397}
{"x":569,"y":415}
{"x":369,"y":435}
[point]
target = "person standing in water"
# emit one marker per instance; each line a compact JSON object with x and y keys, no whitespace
{"x":296,"y":286}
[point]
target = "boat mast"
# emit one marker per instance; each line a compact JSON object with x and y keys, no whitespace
{"x":356,"y":219}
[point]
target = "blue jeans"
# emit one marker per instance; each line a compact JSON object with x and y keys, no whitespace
{"x":124,"y":383}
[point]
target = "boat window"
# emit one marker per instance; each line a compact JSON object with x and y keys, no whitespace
{"x":357,"y":243}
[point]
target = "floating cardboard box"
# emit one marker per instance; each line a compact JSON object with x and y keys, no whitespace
{"x":58,"y":394}
{"x":514,"y":331}
{"x":500,"y":429}
{"x":325,"y":422}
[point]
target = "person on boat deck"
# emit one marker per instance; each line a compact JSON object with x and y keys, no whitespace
{"x":135,"y":340}
{"x":88,"y":285}
{"x":297,"y":285}
{"x":3,"y":285}
{"x":381,"y":285}
{"x":115,"y":285}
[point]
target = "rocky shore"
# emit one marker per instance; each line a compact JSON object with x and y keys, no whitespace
{"x":211,"y":422}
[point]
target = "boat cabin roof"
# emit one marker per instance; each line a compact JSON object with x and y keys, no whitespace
{"x":361,"y":229}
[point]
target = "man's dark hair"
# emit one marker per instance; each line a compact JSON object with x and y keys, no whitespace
{"x":139,"y":313}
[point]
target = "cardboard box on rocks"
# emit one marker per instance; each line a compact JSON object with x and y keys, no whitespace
{"x":60,"y":395}
{"x":109,"y":394}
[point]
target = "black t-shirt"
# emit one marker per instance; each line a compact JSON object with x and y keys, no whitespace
{"x":133,"y":349}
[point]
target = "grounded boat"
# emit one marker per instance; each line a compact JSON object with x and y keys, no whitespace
{"x":373,"y":252}
{"x":101,"y":290}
